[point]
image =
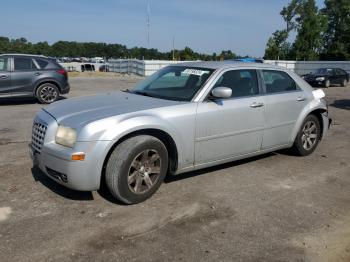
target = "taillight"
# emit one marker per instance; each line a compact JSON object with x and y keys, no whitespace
{"x":62,"y":72}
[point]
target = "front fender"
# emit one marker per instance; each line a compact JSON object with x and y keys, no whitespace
{"x":117,"y":129}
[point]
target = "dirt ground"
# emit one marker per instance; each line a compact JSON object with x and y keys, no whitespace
{"x":275,"y":207}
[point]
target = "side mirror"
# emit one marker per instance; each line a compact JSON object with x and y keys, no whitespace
{"x":221,"y":92}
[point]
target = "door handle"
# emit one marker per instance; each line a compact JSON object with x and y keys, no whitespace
{"x":37,"y":74}
{"x":300,"y":99}
{"x":3,"y":77}
{"x":256,"y":104}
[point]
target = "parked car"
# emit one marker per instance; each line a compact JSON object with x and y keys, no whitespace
{"x":250,"y":60}
{"x":104,"y":68}
{"x":87,"y":67}
{"x":185,"y":117}
{"x":32,"y":76}
{"x":327,"y":77}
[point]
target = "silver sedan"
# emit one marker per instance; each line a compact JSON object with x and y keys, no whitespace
{"x":184,"y":117}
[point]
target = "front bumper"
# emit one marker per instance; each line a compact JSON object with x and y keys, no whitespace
{"x":55,"y":161}
{"x":316,"y":83}
{"x":327,"y":122}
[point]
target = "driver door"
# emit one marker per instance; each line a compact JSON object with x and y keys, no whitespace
{"x":226,"y":128}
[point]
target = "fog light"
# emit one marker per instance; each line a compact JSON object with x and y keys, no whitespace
{"x":78,"y":156}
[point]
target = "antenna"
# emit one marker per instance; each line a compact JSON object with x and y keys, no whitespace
{"x":148,"y":23}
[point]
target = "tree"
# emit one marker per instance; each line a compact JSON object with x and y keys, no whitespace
{"x":310,"y":24}
{"x":227,"y":55}
{"x":337,"y":35}
{"x":277,"y":46}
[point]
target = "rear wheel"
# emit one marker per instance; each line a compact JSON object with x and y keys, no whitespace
{"x":344,"y":83}
{"x":136,"y":169}
{"x":47,"y":93}
{"x":327,"y":83}
{"x":308,"y":136}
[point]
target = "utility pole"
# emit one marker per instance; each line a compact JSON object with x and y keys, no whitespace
{"x":173,"y":47}
{"x":148,"y":23}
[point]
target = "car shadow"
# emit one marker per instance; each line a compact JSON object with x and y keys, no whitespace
{"x":39,"y":176}
{"x":171,"y":179}
{"x":341,"y":104}
{"x":22,"y":101}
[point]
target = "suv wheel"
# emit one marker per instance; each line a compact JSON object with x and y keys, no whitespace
{"x":308,"y":137}
{"x":47,"y":93}
{"x":344,"y":83}
{"x":136,"y":169}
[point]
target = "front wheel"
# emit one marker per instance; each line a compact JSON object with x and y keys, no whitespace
{"x":47,"y":93}
{"x":308,"y":137}
{"x":136,"y":169}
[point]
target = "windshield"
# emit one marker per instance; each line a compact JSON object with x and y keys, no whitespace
{"x":179,"y":83}
{"x":324,"y":71}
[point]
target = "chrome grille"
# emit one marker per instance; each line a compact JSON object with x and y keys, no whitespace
{"x":38,"y":135}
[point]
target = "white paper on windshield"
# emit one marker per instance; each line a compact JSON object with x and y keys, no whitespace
{"x":196,"y":72}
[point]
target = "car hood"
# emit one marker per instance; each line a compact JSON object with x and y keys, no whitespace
{"x":80,"y":111}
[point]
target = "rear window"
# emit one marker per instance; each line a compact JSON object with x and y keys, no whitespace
{"x":278,"y":81}
{"x":42,"y":63}
{"x":23,"y":64}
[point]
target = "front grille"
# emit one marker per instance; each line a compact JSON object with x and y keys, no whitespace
{"x":38,"y":135}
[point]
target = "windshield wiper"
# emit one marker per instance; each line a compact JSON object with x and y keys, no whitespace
{"x":143,"y":93}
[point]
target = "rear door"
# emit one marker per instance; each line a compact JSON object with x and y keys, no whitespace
{"x":284,"y":102}
{"x":5,"y":76}
{"x":24,"y":74}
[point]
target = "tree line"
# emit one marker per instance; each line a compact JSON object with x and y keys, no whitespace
{"x":92,"y":49}
{"x":321,"y":34}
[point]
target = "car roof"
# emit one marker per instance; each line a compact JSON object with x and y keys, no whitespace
{"x":228,"y":64}
{"x":29,"y":55}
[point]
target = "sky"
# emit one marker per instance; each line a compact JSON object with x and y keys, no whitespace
{"x":207,"y":26}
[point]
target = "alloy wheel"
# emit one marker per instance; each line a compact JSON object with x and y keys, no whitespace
{"x":48,"y":94}
{"x":144,"y":171}
{"x":309,"y":135}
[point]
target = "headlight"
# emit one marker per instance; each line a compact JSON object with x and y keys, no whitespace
{"x":66,"y":136}
{"x":320,"y":78}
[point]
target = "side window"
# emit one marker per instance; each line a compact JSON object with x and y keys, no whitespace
{"x":3,"y":64}
{"x":242,"y":82}
{"x":339,"y":72}
{"x":23,"y":64}
{"x":278,"y":81}
{"x":42,"y":63}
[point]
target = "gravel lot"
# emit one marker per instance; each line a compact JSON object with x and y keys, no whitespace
{"x":274,"y":207}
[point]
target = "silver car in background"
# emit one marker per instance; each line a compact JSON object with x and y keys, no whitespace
{"x":185,"y":117}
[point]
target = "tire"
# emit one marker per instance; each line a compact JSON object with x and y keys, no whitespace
{"x":344,"y":83}
{"x":327,"y":83}
{"x":129,"y":177}
{"x":306,"y":141}
{"x":47,"y":93}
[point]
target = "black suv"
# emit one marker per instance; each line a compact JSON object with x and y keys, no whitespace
{"x":327,"y":76}
{"x":32,"y":76}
